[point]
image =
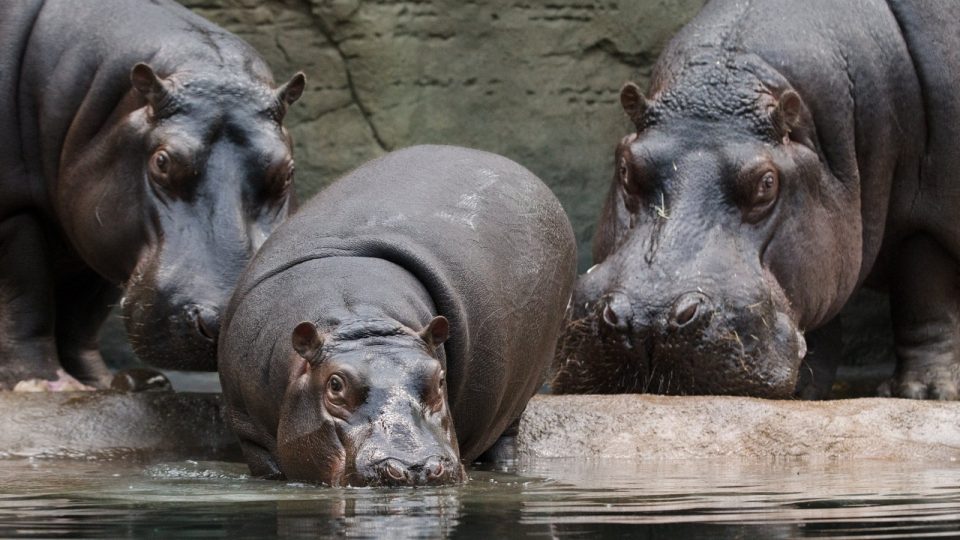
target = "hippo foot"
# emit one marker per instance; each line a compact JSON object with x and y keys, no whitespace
{"x":939,"y":386}
{"x":63,"y":383}
{"x":504,"y":451}
{"x":141,"y":380}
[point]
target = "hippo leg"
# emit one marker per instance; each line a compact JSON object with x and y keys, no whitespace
{"x":505,"y":449}
{"x":819,"y":368}
{"x":83,"y":304}
{"x":925,"y":304}
{"x":254,"y":444}
{"x":27,"y":348}
{"x":262,"y":464}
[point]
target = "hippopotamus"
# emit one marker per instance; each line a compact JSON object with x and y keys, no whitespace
{"x":398,"y":323}
{"x":144,"y":161}
{"x":783,"y":158}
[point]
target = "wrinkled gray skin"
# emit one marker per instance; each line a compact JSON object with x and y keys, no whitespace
{"x":143,"y":162}
{"x":787,"y":154}
{"x":399,"y":322}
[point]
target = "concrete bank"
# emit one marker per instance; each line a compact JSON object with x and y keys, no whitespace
{"x":113,"y":425}
{"x":664,"y":427}
{"x":189,"y":426}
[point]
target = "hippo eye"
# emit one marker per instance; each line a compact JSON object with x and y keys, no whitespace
{"x":624,"y":173}
{"x":160,"y":165}
{"x":161,"y":161}
{"x":441,"y":378}
{"x":765,"y":192}
{"x":335,"y":384}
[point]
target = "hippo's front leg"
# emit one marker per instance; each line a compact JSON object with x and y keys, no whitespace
{"x":83,"y":304}
{"x":925,"y":302}
{"x":28,"y":353}
{"x":819,"y":368}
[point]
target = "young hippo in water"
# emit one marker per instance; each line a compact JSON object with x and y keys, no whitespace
{"x":398,"y":324}
{"x":142,"y":155}
{"x":785,"y":157}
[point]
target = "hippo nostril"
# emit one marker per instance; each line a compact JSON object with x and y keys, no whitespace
{"x":434,"y":468}
{"x":687,"y":314}
{"x":616,"y":311}
{"x":688,"y":308}
{"x":610,"y":316}
{"x":394,"y":470}
{"x":206,"y":320}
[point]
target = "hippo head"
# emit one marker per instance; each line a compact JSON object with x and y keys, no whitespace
{"x":723,"y":238}
{"x":178,"y":196}
{"x":368,"y":406}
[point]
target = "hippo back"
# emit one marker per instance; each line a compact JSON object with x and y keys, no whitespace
{"x":488,"y":241}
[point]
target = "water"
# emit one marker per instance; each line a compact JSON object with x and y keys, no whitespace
{"x":546,"y":499}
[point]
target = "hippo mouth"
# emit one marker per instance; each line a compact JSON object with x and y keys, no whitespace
{"x":720,"y":357}
{"x":167,"y":332}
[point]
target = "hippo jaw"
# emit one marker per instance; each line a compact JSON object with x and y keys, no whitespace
{"x":370,"y":410}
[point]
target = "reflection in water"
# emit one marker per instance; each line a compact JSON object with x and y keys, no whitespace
{"x":694,"y":499}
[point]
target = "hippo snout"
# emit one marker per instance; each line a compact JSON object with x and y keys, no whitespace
{"x":435,"y":470}
{"x":689,"y":341}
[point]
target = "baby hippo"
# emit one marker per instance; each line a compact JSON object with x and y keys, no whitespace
{"x":398,"y":324}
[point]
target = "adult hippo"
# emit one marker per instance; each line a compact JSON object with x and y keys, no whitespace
{"x":408,"y":310}
{"x":785,"y":156}
{"x":142,"y":155}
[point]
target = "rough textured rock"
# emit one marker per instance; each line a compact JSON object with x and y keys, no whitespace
{"x":189,"y":426}
{"x":113,"y":425}
{"x":664,"y":427}
{"x":536,"y":81}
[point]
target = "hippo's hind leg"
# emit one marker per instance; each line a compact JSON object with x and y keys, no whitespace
{"x":925,"y":304}
{"x":27,"y":349}
{"x":84,"y":300}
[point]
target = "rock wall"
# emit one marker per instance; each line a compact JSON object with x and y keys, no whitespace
{"x":534,"y":80}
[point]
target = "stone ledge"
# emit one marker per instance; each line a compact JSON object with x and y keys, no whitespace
{"x":663,"y":427}
{"x":114,"y":425}
{"x":638,"y":427}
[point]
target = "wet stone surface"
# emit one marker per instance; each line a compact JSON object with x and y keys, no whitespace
{"x":114,"y":424}
{"x":637,"y":427}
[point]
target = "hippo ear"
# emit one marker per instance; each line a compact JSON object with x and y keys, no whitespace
{"x":148,"y":84}
{"x":307,"y":340}
{"x":787,"y":113}
{"x":292,"y":89}
{"x":633,"y":102}
{"x":436,"y":332}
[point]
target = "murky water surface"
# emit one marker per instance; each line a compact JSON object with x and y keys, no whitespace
{"x":697,"y":499}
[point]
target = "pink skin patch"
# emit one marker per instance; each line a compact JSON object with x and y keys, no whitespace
{"x":63,"y":383}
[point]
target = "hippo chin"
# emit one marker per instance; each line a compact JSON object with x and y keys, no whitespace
{"x":397,"y":325}
{"x":784,"y":157}
{"x":144,"y":163}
